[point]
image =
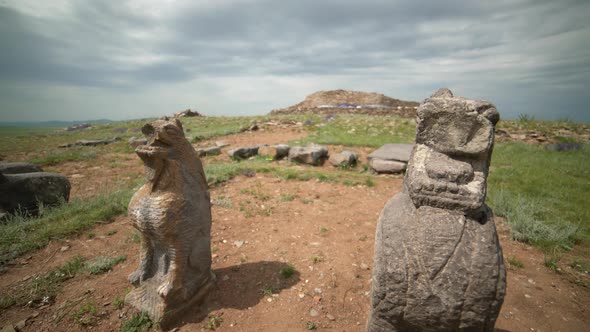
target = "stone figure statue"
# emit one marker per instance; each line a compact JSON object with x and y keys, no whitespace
{"x":172,"y":212}
{"x":438,"y":264}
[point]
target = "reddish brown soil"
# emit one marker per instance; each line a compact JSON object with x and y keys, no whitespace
{"x":281,"y":222}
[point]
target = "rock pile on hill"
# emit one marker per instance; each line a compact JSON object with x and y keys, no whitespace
{"x":353,"y":102}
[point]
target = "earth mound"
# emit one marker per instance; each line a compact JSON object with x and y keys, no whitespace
{"x":355,"y":102}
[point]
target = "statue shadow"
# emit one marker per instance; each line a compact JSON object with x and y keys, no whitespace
{"x":240,"y":287}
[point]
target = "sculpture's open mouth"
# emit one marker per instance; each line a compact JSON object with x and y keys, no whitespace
{"x":151,"y":151}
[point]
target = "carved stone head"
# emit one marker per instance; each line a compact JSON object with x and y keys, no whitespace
{"x":165,"y":141}
{"x":454,"y":140}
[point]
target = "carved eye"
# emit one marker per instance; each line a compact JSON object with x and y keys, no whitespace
{"x":148,"y":130}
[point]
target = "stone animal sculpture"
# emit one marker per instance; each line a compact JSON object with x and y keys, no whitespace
{"x":172,"y":212}
{"x":438,"y":263}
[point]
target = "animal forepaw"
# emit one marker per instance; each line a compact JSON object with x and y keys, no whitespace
{"x":165,"y":288}
{"x":135,"y":277}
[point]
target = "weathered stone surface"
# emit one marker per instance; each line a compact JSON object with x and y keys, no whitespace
{"x":172,"y":211}
{"x":243,"y":152}
{"x":343,"y":159}
{"x":398,"y":152}
{"x":136,"y":141}
{"x":312,"y":154}
{"x":18,"y":167}
{"x":26,"y":190}
{"x":274,"y":151}
{"x":387,"y":166}
{"x":210,"y":151}
{"x":438,"y":263}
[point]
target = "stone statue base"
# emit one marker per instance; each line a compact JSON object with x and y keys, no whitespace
{"x":162,"y":310}
{"x":435,"y":270}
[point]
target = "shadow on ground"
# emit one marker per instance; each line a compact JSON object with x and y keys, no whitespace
{"x":240,"y":287}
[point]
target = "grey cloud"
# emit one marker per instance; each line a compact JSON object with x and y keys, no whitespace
{"x":426,"y":44}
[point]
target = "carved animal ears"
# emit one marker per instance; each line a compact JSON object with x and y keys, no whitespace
{"x":148,"y":130}
{"x":178,"y":124}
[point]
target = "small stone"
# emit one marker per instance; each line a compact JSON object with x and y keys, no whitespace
{"x":64,"y":248}
{"x":238,"y":243}
{"x":269,"y":299}
{"x":330,"y":317}
{"x":225,"y":278}
{"x":318,"y":290}
{"x":301,"y":295}
{"x":527,"y":296}
{"x":313,"y":313}
{"x":364,"y":266}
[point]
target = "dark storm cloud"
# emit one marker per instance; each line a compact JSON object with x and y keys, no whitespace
{"x":494,"y":45}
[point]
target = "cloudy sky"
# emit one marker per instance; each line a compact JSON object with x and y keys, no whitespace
{"x":125,"y":59}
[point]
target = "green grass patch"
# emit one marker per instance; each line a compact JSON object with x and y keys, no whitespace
{"x":137,"y":323}
{"x":359,"y":130}
{"x":20,"y":234}
{"x":43,"y":288}
{"x":543,"y":194}
{"x":104,"y":264}
{"x":514,"y":262}
{"x":287,"y":271}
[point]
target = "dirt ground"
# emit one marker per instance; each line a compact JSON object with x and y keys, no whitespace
{"x":260,"y":225}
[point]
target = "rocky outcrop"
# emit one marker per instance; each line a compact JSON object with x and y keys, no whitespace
{"x":352,"y":102}
{"x":172,"y":212}
{"x":90,"y":142}
{"x":438,"y":263}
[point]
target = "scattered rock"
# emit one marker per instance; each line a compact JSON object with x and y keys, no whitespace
{"x":90,"y":142}
{"x":64,"y":248}
{"x":397,"y":152}
{"x":221,"y":144}
{"x":238,"y":243}
{"x":390,"y":158}
{"x":25,"y":191}
{"x":563,"y":146}
{"x":78,"y":127}
{"x":313,"y":312}
{"x":187,"y":114}
{"x":18,"y":167}
{"x":364,"y":266}
{"x":137,"y":141}
{"x":274,"y":151}
{"x":330,"y":317}
{"x":343,"y":159}
{"x":312,"y":154}
{"x":243,"y":152}
{"x":387,"y":166}
{"x":210,"y":151}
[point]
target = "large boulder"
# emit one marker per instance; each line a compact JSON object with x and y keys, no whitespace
{"x":312,"y":154}
{"x":25,"y":191}
{"x":438,"y":263}
{"x":18,"y":167}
